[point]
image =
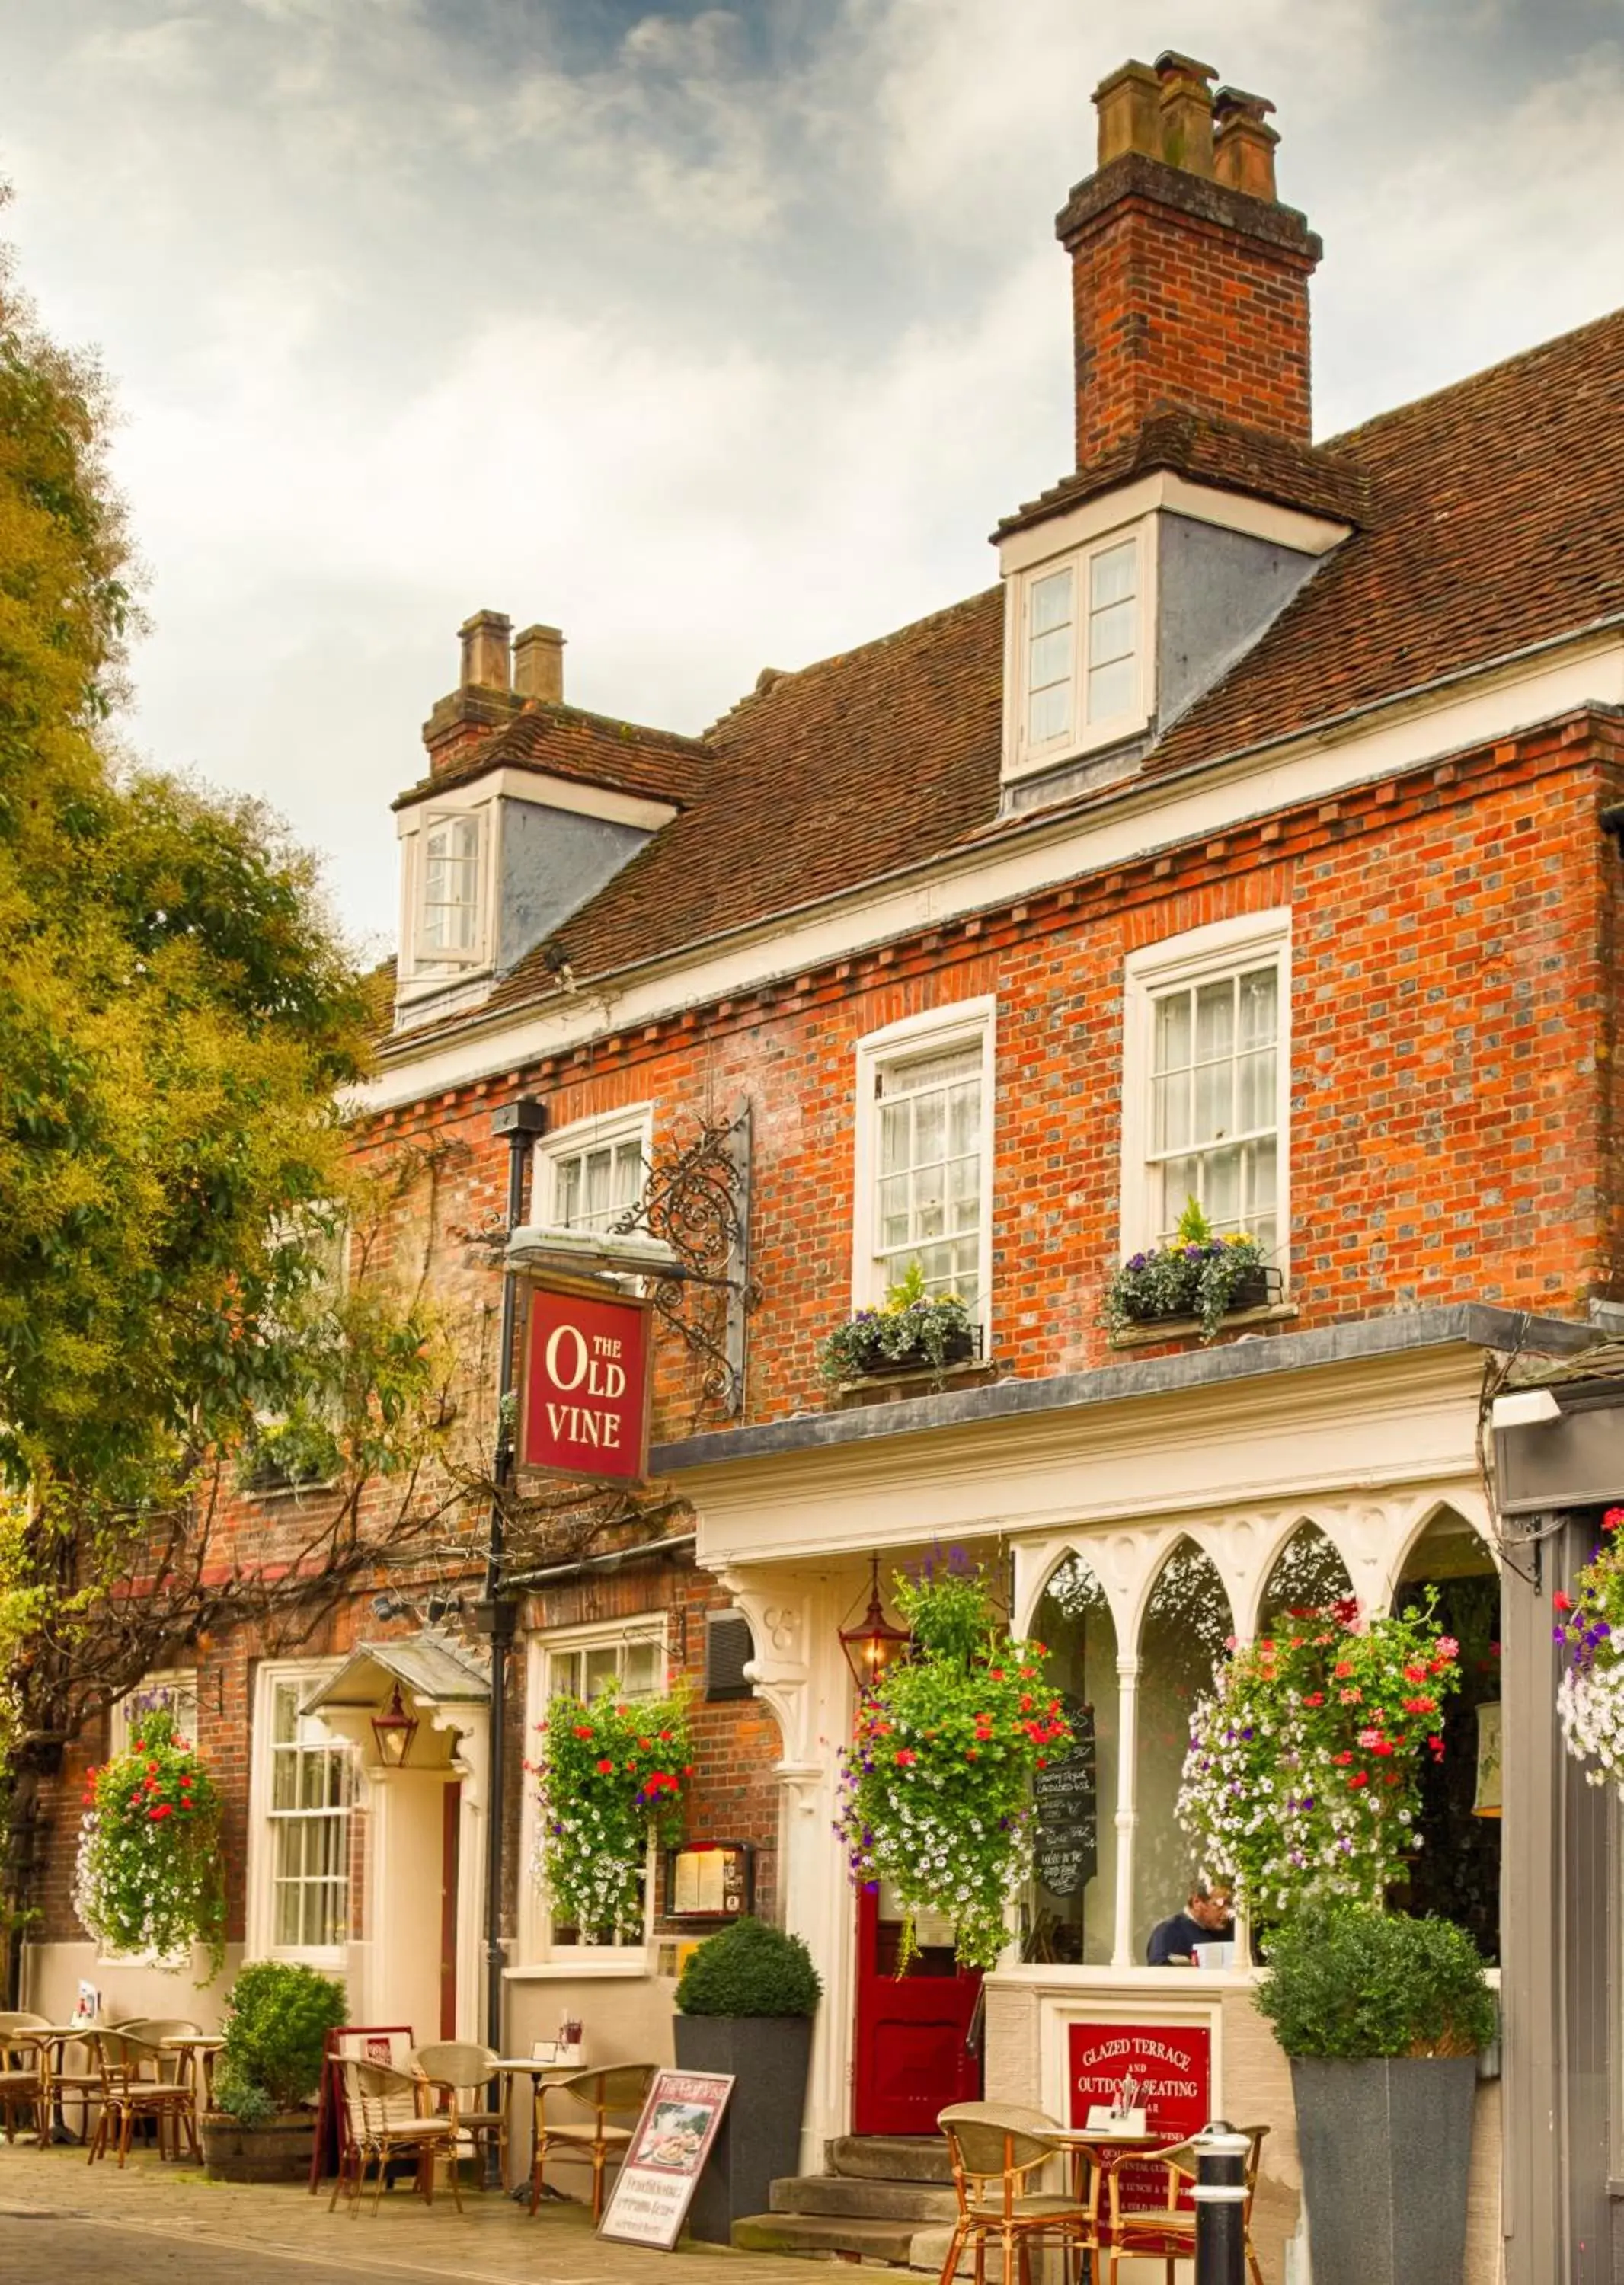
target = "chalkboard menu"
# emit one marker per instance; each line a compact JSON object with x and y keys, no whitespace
{"x":1066,"y":1848}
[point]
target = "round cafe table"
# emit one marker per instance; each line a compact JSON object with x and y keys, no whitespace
{"x":1097,"y":2154}
{"x":53,"y":2040}
{"x":514,"y":2067}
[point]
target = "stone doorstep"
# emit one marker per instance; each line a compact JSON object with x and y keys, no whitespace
{"x":890,"y":2158}
{"x":825,"y":2237}
{"x":851,"y":2197}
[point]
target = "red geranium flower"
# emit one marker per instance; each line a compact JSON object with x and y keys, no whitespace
{"x":606,"y":1767}
{"x":1558,"y":1602}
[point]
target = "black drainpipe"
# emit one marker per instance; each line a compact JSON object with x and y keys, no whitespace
{"x":521,"y":1122}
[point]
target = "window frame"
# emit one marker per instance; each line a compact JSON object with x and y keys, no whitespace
{"x":938,"y":1031}
{"x":305,"y":1674}
{"x":425,"y":969}
{"x":607,"y":1130}
{"x":1026,"y":758}
{"x":538,"y":1953}
{"x":1200,"y":955}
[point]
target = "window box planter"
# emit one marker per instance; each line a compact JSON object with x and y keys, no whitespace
{"x":961,"y":1347}
{"x":1196,"y":1274}
{"x":1257,"y":1288}
{"x":915,"y":1332}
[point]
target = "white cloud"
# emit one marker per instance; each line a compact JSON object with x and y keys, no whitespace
{"x":720,"y":337}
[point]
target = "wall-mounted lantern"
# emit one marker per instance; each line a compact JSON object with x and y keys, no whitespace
{"x":393,"y":1729}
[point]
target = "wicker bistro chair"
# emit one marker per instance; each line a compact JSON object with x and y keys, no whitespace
{"x":467,"y":2074}
{"x":387,"y":2116}
{"x":1167,"y":2233}
{"x":22,"y":2073}
{"x":133,"y":2085}
{"x":155,"y":2029}
{"x":994,"y":2147}
{"x":600,"y":2101}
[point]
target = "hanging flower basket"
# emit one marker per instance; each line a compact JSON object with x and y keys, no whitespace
{"x":1590,"y":1628}
{"x":149,"y":1881}
{"x":612,"y":1779}
{"x":935,"y":1786}
{"x":1303,"y":1776}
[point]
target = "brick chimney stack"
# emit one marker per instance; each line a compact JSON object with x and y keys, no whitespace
{"x":1190,"y":279}
{"x":484,"y":697}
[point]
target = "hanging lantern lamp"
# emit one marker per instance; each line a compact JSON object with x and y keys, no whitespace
{"x":393,"y":1729}
{"x":874,"y":1643}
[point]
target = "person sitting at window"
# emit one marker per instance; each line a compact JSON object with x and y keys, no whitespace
{"x":1206,"y":1918}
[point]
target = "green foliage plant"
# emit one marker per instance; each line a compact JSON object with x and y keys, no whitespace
{"x":149,"y":1878}
{"x":936,"y":1786}
{"x":750,"y":1968}
{"x":912,"y":1324}
{"x":1349,"y":1982}
{"x":179,"y":1016}
{"x":611,"y":1782}
{"x":1302,"y":1779}
{"x":278,"y":2018}
{"x":1196,"y":1275}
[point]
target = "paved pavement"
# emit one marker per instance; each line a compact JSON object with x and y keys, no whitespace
{"x":65,"y":2222}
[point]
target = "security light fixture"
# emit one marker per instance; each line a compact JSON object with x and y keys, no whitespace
{"x":873,"y":1645}
{"x":393,"y":1729}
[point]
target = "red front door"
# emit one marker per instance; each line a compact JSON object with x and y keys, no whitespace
{"x":912,"y":2056}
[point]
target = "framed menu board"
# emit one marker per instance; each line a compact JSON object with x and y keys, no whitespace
{"x":665,"y":2156}
{"x":710,"y":1880}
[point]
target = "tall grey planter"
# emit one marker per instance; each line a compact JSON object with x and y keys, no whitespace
{"x":1386,"y":2146}
{"x":760,"y":2138}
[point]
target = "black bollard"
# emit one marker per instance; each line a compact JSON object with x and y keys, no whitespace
{"x":1220,"y":2205}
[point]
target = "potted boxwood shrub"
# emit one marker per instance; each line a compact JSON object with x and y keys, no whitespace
{"x":1383,"y":2019}
{"x":263,"y":2126}
{"x":1196,"y":1275}
{"x":745,"y":2004}
{"x":915,"y":1332}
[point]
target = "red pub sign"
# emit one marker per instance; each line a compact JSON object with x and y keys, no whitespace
{"x":1172,"y":2063}
{"x":584,"y":1387}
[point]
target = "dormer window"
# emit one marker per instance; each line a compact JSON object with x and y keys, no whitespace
{"x":451,"y":931}
{"x":1082,"y":675}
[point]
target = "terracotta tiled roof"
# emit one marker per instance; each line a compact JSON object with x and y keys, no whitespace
{"x":1315,"y":478}
{"x":590,"y":748}
{"x":1492,"y":518}
{"x":1497,"y":520}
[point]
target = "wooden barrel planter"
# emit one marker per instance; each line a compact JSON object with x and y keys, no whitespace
{"x":278,"y":2151}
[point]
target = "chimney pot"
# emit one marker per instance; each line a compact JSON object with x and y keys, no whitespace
{"x":486,"y":661}
{"x":1129,"y":105}
{"x":1243,"y":154}
{"x":538,"y":665}
{"x":1186,"y":111}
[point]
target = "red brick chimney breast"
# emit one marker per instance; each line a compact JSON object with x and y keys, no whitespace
{"x":1190,"y":279}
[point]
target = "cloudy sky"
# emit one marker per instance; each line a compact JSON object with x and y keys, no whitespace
{"x":718,"y":335}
